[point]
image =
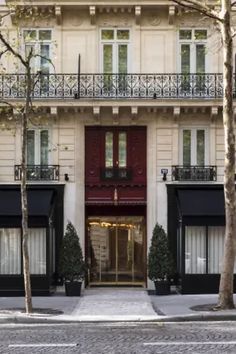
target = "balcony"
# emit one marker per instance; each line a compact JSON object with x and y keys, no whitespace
{"x":116,"y":174}
{"x":110,"y":86}
{"x":38,"y":173}
{"x":194,"y":173}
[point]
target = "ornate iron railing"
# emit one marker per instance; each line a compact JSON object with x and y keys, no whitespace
{"x":38,"y":172}
{"x":149,"y":86}
{"x":194,"y":173}
{"x":115,"y":173}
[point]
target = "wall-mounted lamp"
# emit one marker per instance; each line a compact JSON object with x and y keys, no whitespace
{"x":66,"y":177}
{"x":164,"y":172}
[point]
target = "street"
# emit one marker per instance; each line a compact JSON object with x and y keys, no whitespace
{"x":119,"y":338}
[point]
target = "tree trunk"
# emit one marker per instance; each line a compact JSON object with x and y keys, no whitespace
{"x":24,"y":204}
{"x":225,"y":300}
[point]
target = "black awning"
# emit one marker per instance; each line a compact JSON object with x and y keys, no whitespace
{"x":199,"y":202}
{"x":39,"y":202}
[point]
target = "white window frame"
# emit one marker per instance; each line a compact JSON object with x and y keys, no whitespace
{"x":37,"y":145}
{"x":194,"y":130}
{"x":36,"y":67}
{"x":192,"y":42}
{"x":115,"y":42}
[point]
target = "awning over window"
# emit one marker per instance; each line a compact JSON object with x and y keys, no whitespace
{"x":201,"y":203}
{"x":39,"y":203}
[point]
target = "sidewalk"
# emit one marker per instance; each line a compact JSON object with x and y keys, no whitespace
{"x":112,"y":304}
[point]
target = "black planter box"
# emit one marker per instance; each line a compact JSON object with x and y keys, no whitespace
{"x":73,"y":288}
{"x":162,"y":287}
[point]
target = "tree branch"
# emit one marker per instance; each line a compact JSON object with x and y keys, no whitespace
{"x":200,"y":7}
{"x":11,"y":50}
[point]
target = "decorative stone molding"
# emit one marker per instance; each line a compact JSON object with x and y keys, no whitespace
{"x":58,"y":14}
{"x":214,"y":111}
{"x":176,"y":111}
{"x":171,"y":14}
{"x":96,"y":114}
{"x":137,"y":14}
{"x":134,"y":114}
{"x":53,"y":111}
{"x":115,"y":114}
{"x":92,"y":13}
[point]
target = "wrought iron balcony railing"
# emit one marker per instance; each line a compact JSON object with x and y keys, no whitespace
{"x":117,"y":174}
{"x":194,"y":173}
{"x":108,"y":86}
{"x":38,"y":172}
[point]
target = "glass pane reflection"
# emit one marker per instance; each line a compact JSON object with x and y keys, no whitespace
{"x":116,"y":252}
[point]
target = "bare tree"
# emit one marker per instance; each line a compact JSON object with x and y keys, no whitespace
{"x":222,"y":17}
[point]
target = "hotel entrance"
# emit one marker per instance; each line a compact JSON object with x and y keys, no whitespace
{"x":116,"y":251}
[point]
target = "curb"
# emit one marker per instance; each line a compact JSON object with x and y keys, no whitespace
{"x":161,"y":319}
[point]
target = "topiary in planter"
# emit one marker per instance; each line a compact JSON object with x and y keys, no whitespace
{"x":160,"y":262}
{"x":72,"y":265}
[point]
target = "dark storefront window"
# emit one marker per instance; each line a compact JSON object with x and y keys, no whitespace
{"x":10,"y":251}
{"x":204,"y":247}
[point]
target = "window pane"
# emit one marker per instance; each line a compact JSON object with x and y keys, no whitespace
{"x":187,"y":147}
{"x":107,"y":58}
{"x":123,"y":49}
{"x":216,"y":236}
{"x":200,"y":147}
{"x":200,"y":34}
{"x":44,"y":147}
{"x":30,"y":147}
{"x":45,"y":54}
{"x":37,"y":251}
{"x":10,"y":251}
{"x":200,"y":59}
{"x":195,"y":249}
{"x":30,"y":35}
{"x":109,"y":150}
{"x":107,"y":34}
{"x":185,"y":34}
{"x":185,"y":58}
{"x":122,"y":150}
{"x":44,"y":35}
{"x":215,"y":248}
{"x":123,"y":34}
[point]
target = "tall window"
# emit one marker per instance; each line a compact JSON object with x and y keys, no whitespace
{"x":192,"y":43}
{"x":115,"y":149}
{"x":37,"y":147}
{"x":11,"y":253}
{"x":39,"y":42}
{"x":115,"y":50}
{"x":204,"y":248}
{"x":194,"y":147}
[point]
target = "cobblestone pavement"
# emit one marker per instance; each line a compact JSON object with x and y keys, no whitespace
{"x":120,"y":338}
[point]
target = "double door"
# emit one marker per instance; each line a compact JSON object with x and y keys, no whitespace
{"x":116,"y":250}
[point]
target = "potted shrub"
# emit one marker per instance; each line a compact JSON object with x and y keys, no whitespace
{"x":160,"y":262}
{"x":72,"y":265}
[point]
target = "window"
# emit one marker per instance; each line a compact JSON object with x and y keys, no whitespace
{"x":115,"y":155}
{"x":192,"y":44}
{"x":39,"y":42}
{"x":37,"y":147}
{"x":11,"y":254}
{"x":204,"y":247}
{"x":37,"y":250}
{"x":10,"y":251}
{"x":116,"y":149}
{"x":194,"y":147}
{"x":115,"y":50}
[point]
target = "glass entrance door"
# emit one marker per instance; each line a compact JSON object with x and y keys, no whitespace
{"x":116,"y":249}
